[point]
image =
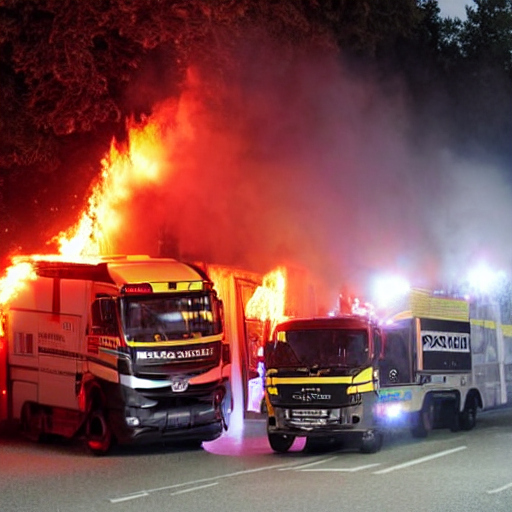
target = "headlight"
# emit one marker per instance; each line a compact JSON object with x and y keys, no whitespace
{"x":394,"y":411}
{"x":389,"y":411}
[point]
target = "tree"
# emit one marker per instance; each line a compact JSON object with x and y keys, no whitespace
{"x":486,"y":37}
{"x":484,"y":77}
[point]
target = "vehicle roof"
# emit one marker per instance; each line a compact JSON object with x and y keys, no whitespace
{"x":328,"y":322}
{"x":153,"y":270}
{"x":121,"y":270}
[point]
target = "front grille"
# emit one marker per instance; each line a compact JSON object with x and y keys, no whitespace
{"x":165,"y":372}
{"x":194,"y":394}
{"x":311,"y":396}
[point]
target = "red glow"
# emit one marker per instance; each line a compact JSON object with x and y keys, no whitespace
{"x":137,"y":288}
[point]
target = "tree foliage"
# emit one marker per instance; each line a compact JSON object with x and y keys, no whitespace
{"x":73,"y":71}
{"x":67,"y":64}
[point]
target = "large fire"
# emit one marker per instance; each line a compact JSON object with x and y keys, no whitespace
{"x":123,"y":170}
{"x":127,"y":167}
{"x":269,"y":299}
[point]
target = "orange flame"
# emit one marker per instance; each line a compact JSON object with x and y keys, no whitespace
{"x":269,"y":299}
{"x":126,"y":168}
{"x":14,"y":280}
{"x":123,"y":170}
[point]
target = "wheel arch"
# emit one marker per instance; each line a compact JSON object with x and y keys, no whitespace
{"x":475,"y":395}
{"x":91,"y":395}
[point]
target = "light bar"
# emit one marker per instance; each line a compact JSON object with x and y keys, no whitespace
{"x":177,"y":286}
{"x":138,"y":288}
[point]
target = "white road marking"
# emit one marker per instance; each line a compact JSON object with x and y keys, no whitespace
{"x":183,"y":491}
{"x":141,"y":494}
{"x":420,"y":460}
{"x":500,"y":489}
{"x":344,"y":470}
{"x":133,"y":496}
{"x":295,"y":468}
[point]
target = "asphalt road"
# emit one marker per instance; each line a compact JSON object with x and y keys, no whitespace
{"x":447,"y":472}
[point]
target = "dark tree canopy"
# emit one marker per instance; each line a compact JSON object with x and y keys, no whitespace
{"x":73,"y":71}
{"x":67,"y":65}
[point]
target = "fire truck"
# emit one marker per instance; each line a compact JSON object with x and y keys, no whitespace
{"x":124,"y":349}
{"x":443,"y":359}
{"x":432,"y":365}
{"x":322,"y":381}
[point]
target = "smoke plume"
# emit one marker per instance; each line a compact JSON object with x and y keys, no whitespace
{"x":298,"y":160}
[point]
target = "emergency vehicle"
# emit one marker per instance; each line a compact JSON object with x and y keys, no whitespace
{"x":444,"y":358}
{"x":321,"y":381}
{"x":432,"y":365}
{"x":125,"y":349}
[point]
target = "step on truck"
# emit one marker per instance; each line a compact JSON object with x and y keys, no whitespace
{"x":321,"y":382}
{"x":125,"y":349}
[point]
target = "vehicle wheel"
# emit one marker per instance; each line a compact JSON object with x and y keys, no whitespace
{"x":98,"y":433}
{"x":280,"y":443}
{"x":468,"y":414}
{"x":425,"y":421}
{"x":455,"y":423}
{"x":371,"y":441}
{"x":29,"y":422}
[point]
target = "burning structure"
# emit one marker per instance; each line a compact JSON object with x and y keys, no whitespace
{"x":69,"y":361}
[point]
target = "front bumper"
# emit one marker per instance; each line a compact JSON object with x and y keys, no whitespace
{"x":176,"y":425}
{"x":321,"y":421}
{"x":197,"y":416}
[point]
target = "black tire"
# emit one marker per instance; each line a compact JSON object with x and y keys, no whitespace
{"x":29,"y":422}
{"x":468,"y":415}
{"x":455,"y":425}
{"x":280,"y":443}
{"x":98,"y":434}
{"x":424,"y":421}
{"x":371,"y":442}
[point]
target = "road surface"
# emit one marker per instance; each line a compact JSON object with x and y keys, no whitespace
{"x":447,"y":472}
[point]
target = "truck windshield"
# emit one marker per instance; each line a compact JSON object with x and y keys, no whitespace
{"x":159,"y":317}
{"x":318,"y":348}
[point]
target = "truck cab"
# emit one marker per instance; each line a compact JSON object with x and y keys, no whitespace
{"x":321,"y":380}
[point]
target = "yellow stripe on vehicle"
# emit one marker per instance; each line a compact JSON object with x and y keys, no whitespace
{"x":489,"y":324}
{"x":271,"y":390}
{"x":360,"y":383}
{"x":364,"y":376}
{"x":180,"y":286}
{"x":363,"y":382}
{"x":361,"y":388}
{"x":174,"y":343}
{"x":274,"y":381}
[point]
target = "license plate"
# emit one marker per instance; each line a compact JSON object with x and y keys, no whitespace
{"x":309,"y":413}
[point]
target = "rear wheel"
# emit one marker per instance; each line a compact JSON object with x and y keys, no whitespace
{"x":280,"y":443}
{"x":30,"y":422}
{"x":98,"y":434}
{"x":455,"y":424}
{"x":468,"y":414}
{"x":424,"y":421}
{"x":371,"y":441}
